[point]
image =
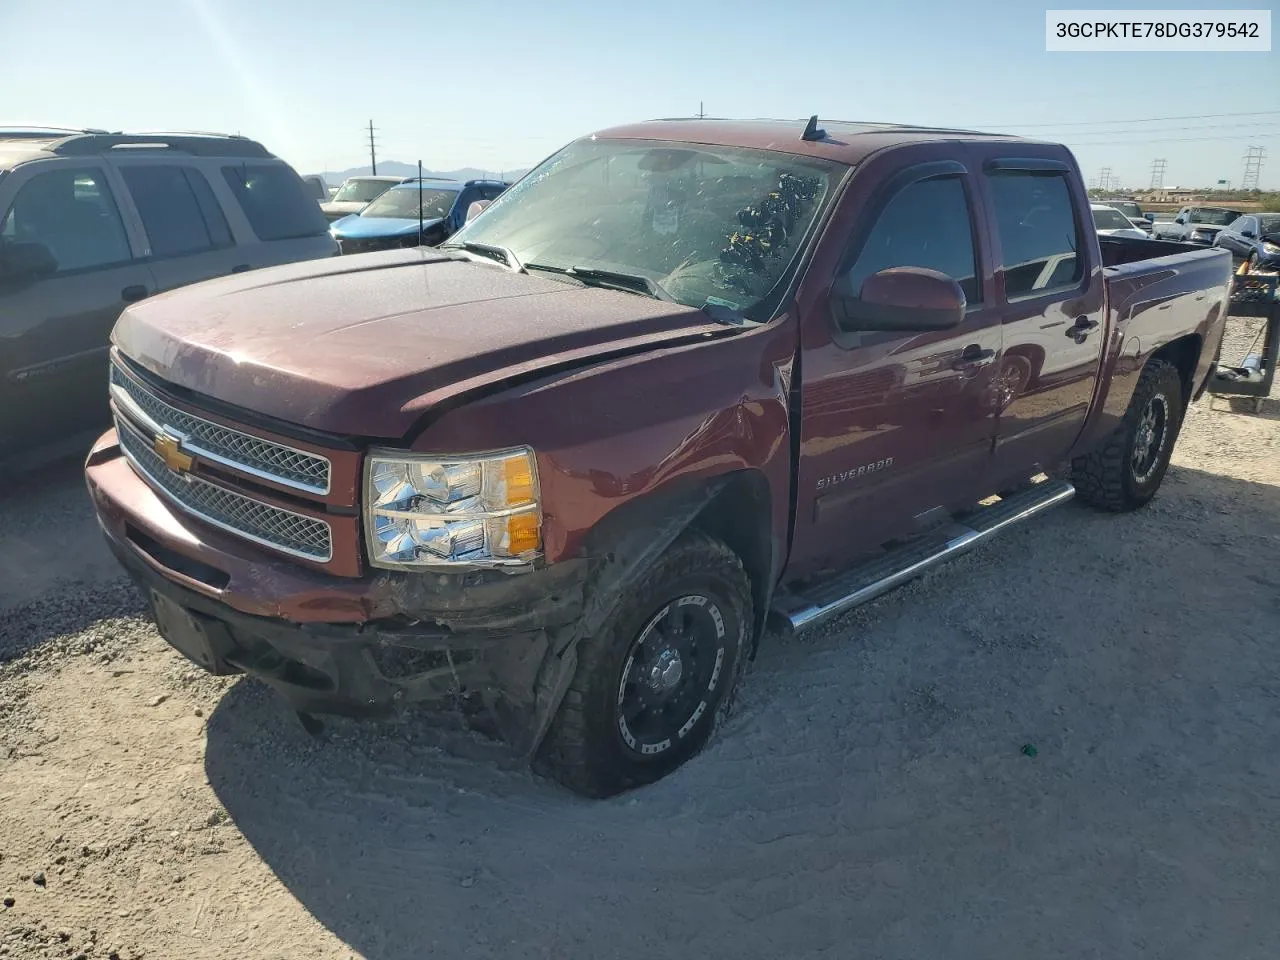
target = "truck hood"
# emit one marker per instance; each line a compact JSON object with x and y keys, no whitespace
{"x":366,"y":228}
{"x":364,"y":345}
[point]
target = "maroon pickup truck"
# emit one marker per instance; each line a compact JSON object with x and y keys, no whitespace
{"x":686,"y":377}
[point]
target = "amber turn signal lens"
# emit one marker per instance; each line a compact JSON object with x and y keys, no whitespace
{"x":523,"y":534}
{"x":517,"y":475}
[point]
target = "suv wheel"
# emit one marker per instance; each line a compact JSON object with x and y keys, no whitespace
{"x":652,"y":683}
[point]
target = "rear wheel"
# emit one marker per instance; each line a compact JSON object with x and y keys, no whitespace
{"x":651,"y":684}
{"x":1126,"y":471}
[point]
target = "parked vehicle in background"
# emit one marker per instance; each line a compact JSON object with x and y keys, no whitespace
{"x":355,"y":193}
{"x":90,"y":222}
{"x":316,"y":187}
{"x":1110,"y":222}
{"x":1254,"y":238}
{"x":1195,"y":224}
{"x":1132,"y":211}
{"x":682,"y":377}
{"x":413,"y":213}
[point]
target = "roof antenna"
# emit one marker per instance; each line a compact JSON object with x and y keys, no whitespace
{"x":419,"y":203}
{"x":811,"y":131}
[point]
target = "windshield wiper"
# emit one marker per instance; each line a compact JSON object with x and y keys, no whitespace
{"x":629,"y":282}
{"x":490,"y":251}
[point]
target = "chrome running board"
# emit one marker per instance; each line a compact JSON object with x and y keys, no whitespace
{"x":857,"y":585}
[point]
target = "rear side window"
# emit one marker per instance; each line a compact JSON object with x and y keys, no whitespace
{"x":168,"y":199}
{"x":275,"y":202}
{"x":1039,"y":242}
{"x":925,"y":224}
{"x":73,"y":213}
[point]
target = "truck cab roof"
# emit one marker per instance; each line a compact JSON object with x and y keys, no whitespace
{"x":843,"y":141}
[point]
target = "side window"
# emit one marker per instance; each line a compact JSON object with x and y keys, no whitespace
{"x":925,"y":224}
{"x":1243,"y":225}
{"x":175,"y":221}
{"x":74,"y":214}
{"x":275,"y":202}
{"x":1035,"y":221}
{"x":214,"y":219}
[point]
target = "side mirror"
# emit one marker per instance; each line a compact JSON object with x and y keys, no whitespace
{"x":26,"y":261}
{"x":1149,"y":217}
{"x":900,"y":298}
{"x":1179,"y":219}
{"x":1248,"y":233}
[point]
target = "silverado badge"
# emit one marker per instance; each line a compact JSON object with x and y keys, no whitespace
{"x":169,"y":449}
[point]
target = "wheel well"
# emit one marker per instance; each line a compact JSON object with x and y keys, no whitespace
{"x":1183,"y":353}
{"x":740,"y":517}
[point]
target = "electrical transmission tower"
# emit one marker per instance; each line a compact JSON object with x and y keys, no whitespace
{"x":1253,"y":168}
{"x":1157,"y":173}
{"x":1104,"y":179}
{"x":373,"y":151}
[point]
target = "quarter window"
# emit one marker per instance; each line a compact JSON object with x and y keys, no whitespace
{"x":925,"y":224}
{"x":275,"y":202}
{"x":1039,"y":241}
{"x":73,"y":213}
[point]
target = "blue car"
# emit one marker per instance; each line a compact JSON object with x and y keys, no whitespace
{"x":393,"y":220}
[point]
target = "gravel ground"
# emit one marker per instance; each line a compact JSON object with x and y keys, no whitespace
{"x":875,"y":793}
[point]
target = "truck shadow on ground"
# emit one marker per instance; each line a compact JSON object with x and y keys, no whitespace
{"x":871,"y":788}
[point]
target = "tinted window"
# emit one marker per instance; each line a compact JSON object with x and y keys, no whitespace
{"x":926,"y":224}
{"x":490,"y":193}
{"x":210,"y":208}
{"x":1268,"y":225}
{"x":1037,"y":229}
{"x":1243,"y":224}
{"x":170,"y":211}
{"x":275,"y":202}
{"x":73,"y":213}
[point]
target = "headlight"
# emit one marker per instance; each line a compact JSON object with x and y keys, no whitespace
{"x":1270,"y":248}
{"x":424,"y":511}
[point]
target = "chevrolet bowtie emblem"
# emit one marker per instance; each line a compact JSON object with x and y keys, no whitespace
{"x":169,"y":449}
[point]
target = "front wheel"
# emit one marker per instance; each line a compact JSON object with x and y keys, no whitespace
{"x":1126,"y":471}
{"x":652,"y":682}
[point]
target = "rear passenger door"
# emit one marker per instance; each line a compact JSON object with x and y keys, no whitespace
{"x":1049,"y":282}
{"x":188,"y":239}
{"x":55,"y":329}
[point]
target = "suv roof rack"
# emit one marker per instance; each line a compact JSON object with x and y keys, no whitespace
{"x":37,"y":131}
{"x":199,"y":145}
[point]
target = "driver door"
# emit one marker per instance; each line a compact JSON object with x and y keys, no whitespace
{"x":897,"y":424}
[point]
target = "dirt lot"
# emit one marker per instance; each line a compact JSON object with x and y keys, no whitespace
{"x":870,"y":797}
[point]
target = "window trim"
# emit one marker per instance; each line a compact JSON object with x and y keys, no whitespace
{"x":1034,"y":165}
{"x":103,"y":174}
{"x":870,"y":217}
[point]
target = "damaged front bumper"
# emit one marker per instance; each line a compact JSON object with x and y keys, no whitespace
{"x":343,"y":645}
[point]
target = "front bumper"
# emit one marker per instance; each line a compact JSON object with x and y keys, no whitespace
{"x":329,"y":644}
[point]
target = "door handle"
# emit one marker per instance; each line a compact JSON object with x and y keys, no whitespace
{"x":973,"y":357}
{"x":134,"y":293}
{"x":1079,"y":331}
{"x":241,"y":268}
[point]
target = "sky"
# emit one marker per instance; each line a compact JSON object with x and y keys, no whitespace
{"x":499,"y":85}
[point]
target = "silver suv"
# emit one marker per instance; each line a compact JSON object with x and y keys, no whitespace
{"x":91,"y":221}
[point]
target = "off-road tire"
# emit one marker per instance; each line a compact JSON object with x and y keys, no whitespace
{"x":584,"y":748}
{"x":1106,"y":478}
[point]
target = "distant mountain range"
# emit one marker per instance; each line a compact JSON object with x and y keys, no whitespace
{"x":394,"y":168}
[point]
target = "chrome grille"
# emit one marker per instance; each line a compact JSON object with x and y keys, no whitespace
{"x":218,"y":444}
{"x":270,"y":526}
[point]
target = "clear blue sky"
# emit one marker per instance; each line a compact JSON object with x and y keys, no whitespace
{"x":500,"y":85}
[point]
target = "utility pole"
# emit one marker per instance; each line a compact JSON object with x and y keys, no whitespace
{"x":701,"y":113}
{"x":1253,"y":168}
{"x":373,"y":153}
{"x":1157,"y":173}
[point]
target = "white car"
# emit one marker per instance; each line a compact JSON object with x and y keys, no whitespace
{"x":1110,"y":222}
